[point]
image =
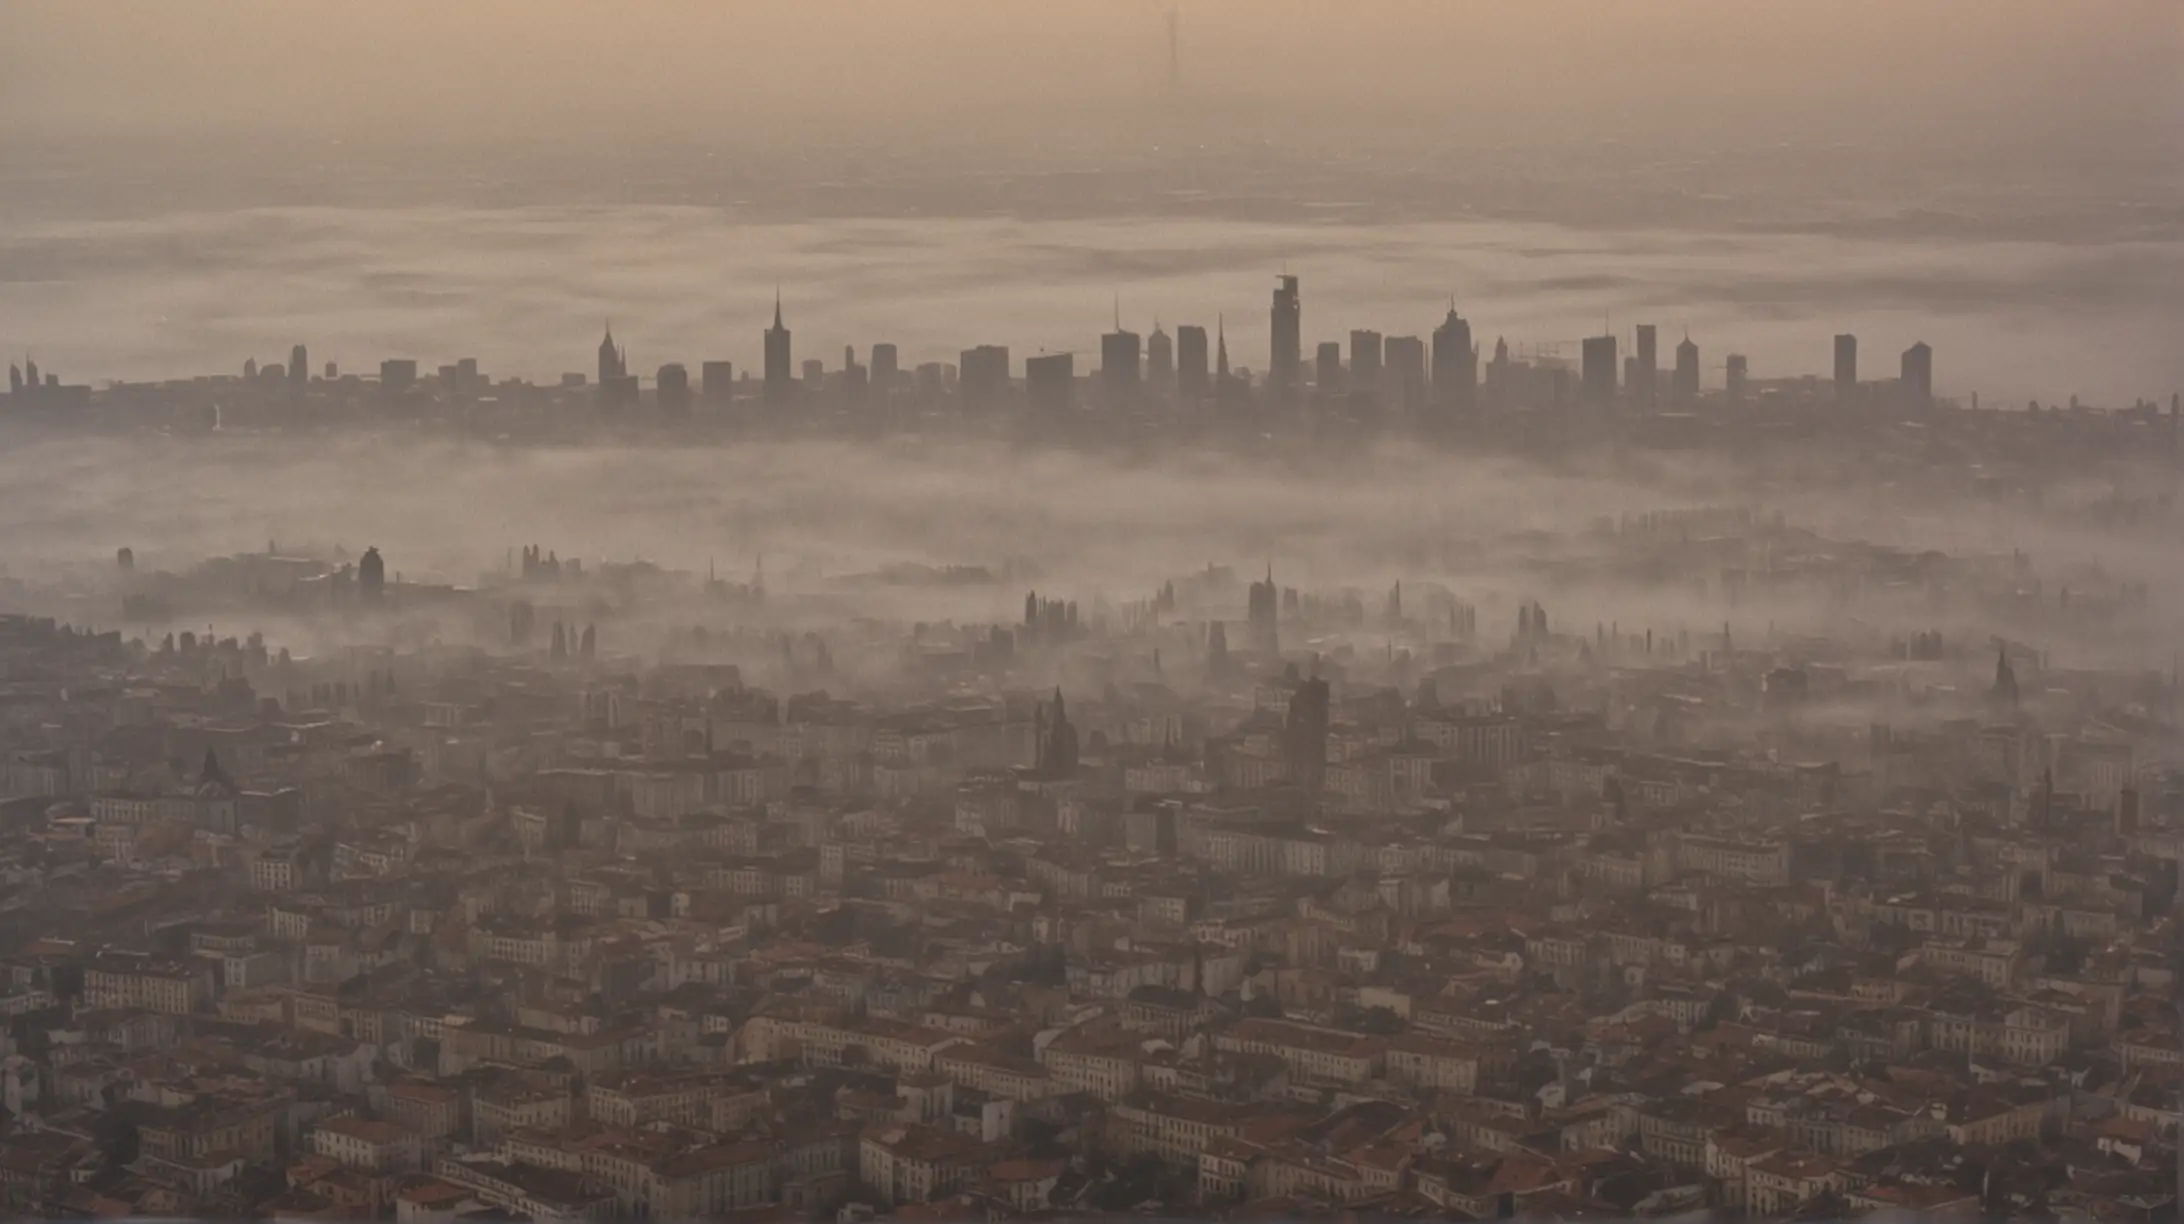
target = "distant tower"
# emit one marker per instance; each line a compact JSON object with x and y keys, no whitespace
{"x":780,"y":368}
{"x":611,"y":365}
{"x":1263,"y":614}
{"x":1687,"y":371}
{"x":299,"y":366}
{"x":371,"y":575}
{"x":1365,"y":354}
{"x":1285,"y":367}
{"x":1192,"y":379}
{"x":1121,"y":363}
{"x":1160,"y":359}
{"x":1220,"y":361}
{"x":1327,"y":368}
{"x":1056,"y":747}
{"x":1846,"y":368}
{"x":1740,"y":371}
{"x":2004,"y":692}
{"x":1598,"y":372}
{"x":15,"y":379}
{"x":1304,"y":735}
{"x":1455,"y":366}
{"x":1645,"y":387}
{"x":886,"y":368}
{"x":1918,"y":374}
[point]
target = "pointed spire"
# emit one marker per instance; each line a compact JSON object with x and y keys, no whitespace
{"x":777,"y":306}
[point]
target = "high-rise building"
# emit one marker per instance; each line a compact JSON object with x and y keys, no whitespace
{"x":1327,"y":368}
{"x":815,"y":374}
{"x":1687,"y":371}
{"x":982,"y":376}
{"x":1050,"y":382}
{"x":299,"y":366}
{"x":1191,"y":377}
{"x":854,"y":376}
{"x":887,"y":369}
{"x":780,"y":365}
{"x":397,"y":374}
{"x":1645,"y":387}
{"x":671,"y":388}
{"x":717,"y":382}
{"x":1846,"y":368}
{"x":1263,"y":614}
{"x":1121,"y":358}
{"x":371,"y":574}
{"x":1405,"y":374}
{"x":1365,"y":350}
{"x":1739,"y":372}
{"x":1918,"y":374}
{"x":1285,"y":365}
{"x":1597,"y":368}
{"x":1455,"y":366}
{"x":613,"y":361}
{"x":1304,"y":734}
{"x":1160,"y":360}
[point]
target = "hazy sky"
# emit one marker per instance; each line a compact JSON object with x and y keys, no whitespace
{"x":491,"y":68}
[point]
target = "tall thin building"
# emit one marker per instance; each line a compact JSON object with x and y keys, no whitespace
{"x":1739,"y":372}
{"x":1050,"y":382}
{"x":1645,"y":387}
{"x":299,"y":367}
{"x":1455,"y":366}
{"x":1687,"y":371}
{"x":1364,"y":360}
{"x":1405,"y":375}
{"x":780,"y":367}
{"x":982,"y":376}
{"x":1191,"y":369}
{"x":1327,"y":368}
{"x":672,"y":389}
{"x":1918,"y":374}
{"x":613,"y":361}
{"x":1597,"y":369}
{"x":1160,"y":359}
{"x":1846,"y":368}
{"x":717,"y":382}
{"x":886,"y":369}
{"x":1285,"y":365}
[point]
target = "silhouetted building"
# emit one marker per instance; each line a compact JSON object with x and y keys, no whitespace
{"x":371,"y":575}
{"x":397,"y":374}
{"x":982,"y":375}
{"x":1191,"y":369}
{"x":1121,"y":357}
{"x":299,"y":366}
{"x":1364,"y":361}
{"x":1160,"y":360}
{"x":1687,"y":371}
{"x":1404,"y":377}
{"x":1455,"y":365}
{"x":1304,"y":734}
{"x":1050,"y":382}
{"x":1055,"y":751}
{"x":815,"y":373}
{"x":671,"y":387}
{"x":1918,"y":374}
{"x":1597,"y":369}
{"x":717,"y":382}
{"x":1327,"y":368}
{"x":887,"y":368}
{"x":780,"y":360}
{"x":1263,"y":614}
{"x":1739,"y":372}
{"x":613,"y":362}
{"x":1846,"y":368}
{"x":1645,"y":385}
{"x":1285,"y":364}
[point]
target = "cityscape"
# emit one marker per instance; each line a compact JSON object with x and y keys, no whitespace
{"x":960,"y":612}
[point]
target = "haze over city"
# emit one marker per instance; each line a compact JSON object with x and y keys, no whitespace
{"x":960,"y":610}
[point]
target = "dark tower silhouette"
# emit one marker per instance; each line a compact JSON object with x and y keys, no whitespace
{"x":1160,"y":359}
{"x":780,"y":368}
{"x":1598,"y":373}
{"x":1646,"y":386}
{"x":1264,"y":614}
{"x":1056,"y":749}
{"x":1687,"y":371}
{"x":371,"y":575}
{"x":1285,"y":365}
{"x":612,"y":364}
{"x":1455,"y":365}
{"x":1191,"y":378}
{"x":299,"y":367}
{"x":2004,"y":692}
{"x":1305,"y":734}
{"x":1918,"y":380}
{"x":1217,"y":660}
{"x":1846,"y":368}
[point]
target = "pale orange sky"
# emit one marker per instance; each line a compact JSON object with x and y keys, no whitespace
{"x":487,"y":68}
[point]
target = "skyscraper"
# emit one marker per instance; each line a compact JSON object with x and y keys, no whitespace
{"x":1121,"y":354}
{"x":982,"y":376}
{"x":1645,"y":387}
{"x":371,"y":574}
{"x":1405,"y":376}
{"x":1918,"y":374}
{"x":1364,"y":361}
{"x":672,"y":389}
{"x":1687,"y":371}
{"x":1597,"y":369}
{"x":1455,"y":366}
{"x":1262,"y":614}
{"x":1285,"y":365}
{"x":717,"y":382}
{"x":1327,"y":368}
{"x":886,"y":370}
{"x":1160,"y":359}
{"x":1190,"y":361}
{"x":299,"y":367}
{"x":780,"y":368}
{"x":613,"y":363}
{"x":1846,"y":368}
{"x":1050,"y":381}
{"x":1739,"y":371}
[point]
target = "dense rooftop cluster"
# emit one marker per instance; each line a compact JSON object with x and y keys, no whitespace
{"x":1237,"y":900}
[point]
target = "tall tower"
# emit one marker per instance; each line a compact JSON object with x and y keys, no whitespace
{"x":1646,"y":387}
{"x":611,"y":365}
{"x":1285,"y":365}
{"x":1918,"y":374}
{"x":1687,"y":371}
{"x":1121,"y":363}
{"x":371,"y":575}
{"x":780,"y":369}
{"x":1846,"y":368}
{"x":1455,"y":366}
{"x":1598,"y":372}
{"x":1190,"y":361}
{"x":299,"y":367}
{"x":1160,"y":359}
